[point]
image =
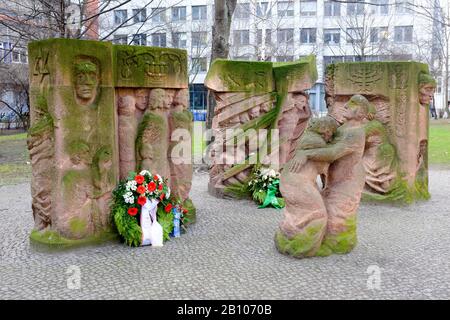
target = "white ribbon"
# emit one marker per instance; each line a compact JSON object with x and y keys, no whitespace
{"x":152,"y":232}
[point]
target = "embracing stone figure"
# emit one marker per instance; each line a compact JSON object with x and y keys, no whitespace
{"x":321,"y":221}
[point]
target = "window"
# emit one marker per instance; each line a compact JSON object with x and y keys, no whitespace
{"x":120,"y":16}
{"x":285,"y":36}
{"x":179,"y":14}
{"x":198,"y":97}
{"x":241,"y":37}
{"x":139,"y":15}
{"x":199,"y":65}
{"x":332,"y":9}
{"x":354,"y":35}
{"x":199,"y":39}
{"x":403,"y":34}
{"x":159,"y":40}
{"x":199,"y":13}
{"x":308,"y":35}
{"x":378,"y":34}
{"x":285,"y":58}
{"x":139,"y":39}
{"x":268,"y":36}
{"x":332,"y":59}
{"x":263,"y":9}
{"x":332,"y":36}
{"x":308,"y":8}
{"x":355,"y":8}
{"x":158,"y":15}
{"x":379,"y":7}
{"x":242,"y":11}
{"x":120,"y":39}
{"x":15,"y":56}
{"x":403,"y":6}
{"x":179,"y":40}
{"x":285,"y":9}
{"x":23,"y":57}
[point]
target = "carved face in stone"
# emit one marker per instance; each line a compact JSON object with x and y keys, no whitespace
{"x":297,"y":100}
{"x":357,"y":108}
{"x":180,"y":100}
{"x":126,"y":106}
{"x":156,"y":99}
{"x":86,"y":81}
{"x":254,"y":112}
{"x":142,"y":97}
{"x":426,"y":92}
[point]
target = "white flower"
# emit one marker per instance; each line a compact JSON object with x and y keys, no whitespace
{"x":272,"y":173}
{"x":168,"y":193}
{"x":144,"y":172}
{"x":131,"y":185}
{"x":264,"y":177}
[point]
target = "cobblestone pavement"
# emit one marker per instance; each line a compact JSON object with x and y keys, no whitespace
{"x":229,"y":254}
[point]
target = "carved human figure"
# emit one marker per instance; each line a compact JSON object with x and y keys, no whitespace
{"x":152,"y":140}
{"x":41,"y":150}
{"x":103,"y":184}
{"x":344,"y":185}
{"x":180,"y":162}
{"x":292,"y":123}
{"x":379,"y":158}
{"x":305,"y":208}
{"x":87,"y":77}
{"x":127,"y":129}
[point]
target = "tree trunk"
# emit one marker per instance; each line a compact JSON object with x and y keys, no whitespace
{"x":220,"y":42}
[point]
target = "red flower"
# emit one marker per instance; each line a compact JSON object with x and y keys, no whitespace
{"x":141,"y":200}
{"x":151,"y":186}
{"x":161,"y":197}
{"x":168,"y":208}
{"x":132,"y":211}
{"x":160,"y":187}
{"x":140,"y":190}
{"x":139,"y":179}
{"x":185,"y":211}
{"x":155,"y":177}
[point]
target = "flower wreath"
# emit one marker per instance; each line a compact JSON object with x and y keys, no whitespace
{"x":133,"y":193}
{"x":264,"y":187}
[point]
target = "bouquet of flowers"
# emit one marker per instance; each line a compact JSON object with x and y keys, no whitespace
{"x":143,"y":210}
{"x":264,"y":187}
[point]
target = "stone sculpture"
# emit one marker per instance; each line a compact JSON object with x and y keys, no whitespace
{"x":99,"y":111}
{"x":397,"y":132}
{"x":252,"y":98}
{"x":321,"y":222}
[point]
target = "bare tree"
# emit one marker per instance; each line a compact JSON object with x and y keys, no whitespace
{"x":223,"y":13}
{"x":14,"y":80}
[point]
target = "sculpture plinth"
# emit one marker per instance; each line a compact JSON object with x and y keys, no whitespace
{"x":99,"y":111}
{"x":396,"y":157}
{"x":251,"y":99}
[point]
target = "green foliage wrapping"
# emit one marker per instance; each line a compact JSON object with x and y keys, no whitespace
{"x":166,"y":221}
{"x":127,"y":226}
{"x":239,"y":190}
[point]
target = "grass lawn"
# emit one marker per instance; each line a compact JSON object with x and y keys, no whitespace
{"x":15,"y":167}
{"x":439,"y":145}
{"x":14,"y":160}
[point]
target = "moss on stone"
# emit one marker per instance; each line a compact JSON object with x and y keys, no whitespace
{"x":133,"y":65}
{"x":340,"y":243}
{"x":50,"y":239}
{"x":301,"y":245}
{"x":77,"y":225}
{"x":240,"y":76}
